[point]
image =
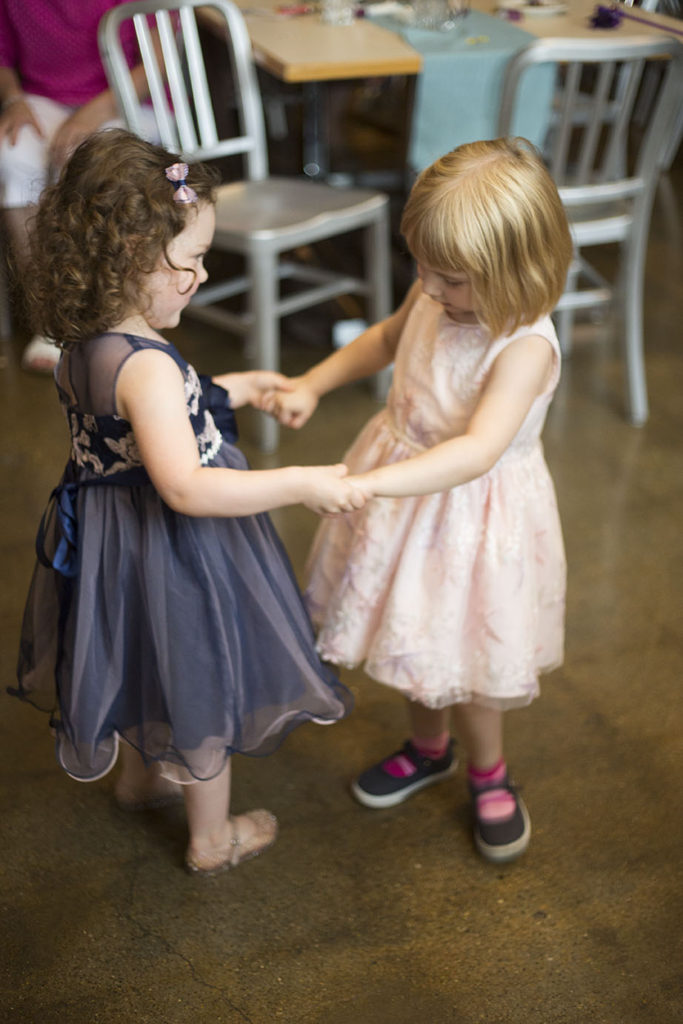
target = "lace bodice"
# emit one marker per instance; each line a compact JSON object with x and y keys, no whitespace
{"x":440,"y":370}
{"x":102,"y":442}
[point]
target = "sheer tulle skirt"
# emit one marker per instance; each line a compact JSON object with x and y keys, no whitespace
{"x":185,"y":636}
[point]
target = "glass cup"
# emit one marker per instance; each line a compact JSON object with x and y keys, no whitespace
{"x":337,"y":12}
{"x":440,"y":15}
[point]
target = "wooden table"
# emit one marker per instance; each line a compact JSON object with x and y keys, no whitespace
{"x":300,"y":49}
{"x":575,"y":23}
{"x":303,"y":49}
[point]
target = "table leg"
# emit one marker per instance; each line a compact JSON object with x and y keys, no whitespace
{"x":316,"y":150}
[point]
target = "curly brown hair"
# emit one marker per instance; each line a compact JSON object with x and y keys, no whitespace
{"x":491,"y":210}
{"x":107,"y":222}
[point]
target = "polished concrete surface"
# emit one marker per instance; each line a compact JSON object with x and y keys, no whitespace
{"x":361,"y":917}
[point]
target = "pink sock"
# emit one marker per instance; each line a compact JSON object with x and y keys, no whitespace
{"x":493,"y":804}
{"x":401,"y":767}
{"x":432,"y":746}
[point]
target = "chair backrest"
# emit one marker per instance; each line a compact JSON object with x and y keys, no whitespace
{"x":173,"y":60}
{"x":596,"y":156}
{"x":645,"y":5}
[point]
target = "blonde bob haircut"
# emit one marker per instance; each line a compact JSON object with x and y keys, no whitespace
{"x":491,"y":210}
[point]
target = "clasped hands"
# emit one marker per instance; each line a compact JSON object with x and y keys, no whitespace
{"x":329,"y":490}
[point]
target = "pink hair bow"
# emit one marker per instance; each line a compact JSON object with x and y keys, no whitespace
{"x":176,"y":174}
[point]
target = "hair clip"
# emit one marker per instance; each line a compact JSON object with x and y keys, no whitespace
{"x":176,"y":174}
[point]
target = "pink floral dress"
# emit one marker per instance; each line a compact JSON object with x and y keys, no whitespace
{"x":456,"y":596}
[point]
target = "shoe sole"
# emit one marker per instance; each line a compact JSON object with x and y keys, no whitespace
{"x":392,"y":799}
{"x":511,"y":851}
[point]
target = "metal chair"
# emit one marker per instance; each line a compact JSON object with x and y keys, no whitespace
{"x":258,"y":217}
{"x":605,"y":201}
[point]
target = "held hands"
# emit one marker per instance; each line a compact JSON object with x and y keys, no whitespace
{"x":293,"y":408}
{"x":252,"y":387}
{"x":365,"y":484}
{"x":329,"y":491}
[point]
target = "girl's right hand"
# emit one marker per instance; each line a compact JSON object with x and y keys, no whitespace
{"x":292,"y":408}
{"x":328,"y":493}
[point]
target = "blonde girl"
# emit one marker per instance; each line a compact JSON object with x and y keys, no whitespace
{"x":449,"y":585}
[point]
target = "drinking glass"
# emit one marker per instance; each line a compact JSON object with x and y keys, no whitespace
{"x":337,"y":12}
{"x":440,"y":15}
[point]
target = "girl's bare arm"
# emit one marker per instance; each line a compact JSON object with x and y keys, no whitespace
{"x":150,"y":395}
{"x":518,"y":376}
{"x":371,"y":351}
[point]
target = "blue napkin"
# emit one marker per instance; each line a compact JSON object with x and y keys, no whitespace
{"x":457,"y":96}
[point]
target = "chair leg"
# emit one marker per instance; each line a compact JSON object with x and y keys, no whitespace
{"x":378,"y":271}
{"x":634,"y":356}
{"x":673,"y":145}
{"x":564,"y":318}
{"x":264,"y":337}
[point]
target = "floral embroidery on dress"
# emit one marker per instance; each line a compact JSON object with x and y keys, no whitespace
{"x":94,"y":449}
{"x":209,"y":440}
{"x":209,"y":437}
{"x":127,"y":448}
{"x":193,"y":390}
{"x":105,"y":445}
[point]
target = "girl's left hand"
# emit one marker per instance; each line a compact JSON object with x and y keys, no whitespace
{"x":251,"y":387}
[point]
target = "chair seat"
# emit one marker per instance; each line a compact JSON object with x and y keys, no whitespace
{"x":274,"y":208}
{"x":268,"y":222}
{"x":595,"y":225}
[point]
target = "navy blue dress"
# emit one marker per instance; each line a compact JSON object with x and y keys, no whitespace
{"x":186,"y":636}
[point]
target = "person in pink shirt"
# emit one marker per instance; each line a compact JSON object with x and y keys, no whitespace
{"x":53,"y":94}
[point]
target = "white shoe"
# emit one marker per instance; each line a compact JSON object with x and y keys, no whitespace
{"x":40,"y":355}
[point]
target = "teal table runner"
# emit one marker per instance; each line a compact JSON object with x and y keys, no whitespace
{"x":457,"y":95}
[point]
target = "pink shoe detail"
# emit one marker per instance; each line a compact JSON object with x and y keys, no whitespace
{"x":399,"y":767}
{"x":495,"y":805}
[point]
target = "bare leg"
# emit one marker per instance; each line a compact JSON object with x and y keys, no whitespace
{"x":480,"y":730}
{"x":207,"y":805}
{"x":428,"y":723}
{"x":141,"y":785}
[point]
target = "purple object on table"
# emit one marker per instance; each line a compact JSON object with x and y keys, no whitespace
{"x":611,"y":17}
{"x":605,"y":17}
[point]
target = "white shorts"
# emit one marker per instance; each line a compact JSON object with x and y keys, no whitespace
{"x":24,"y":167}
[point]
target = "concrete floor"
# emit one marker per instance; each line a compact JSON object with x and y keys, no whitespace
{"x":361,"y":917}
